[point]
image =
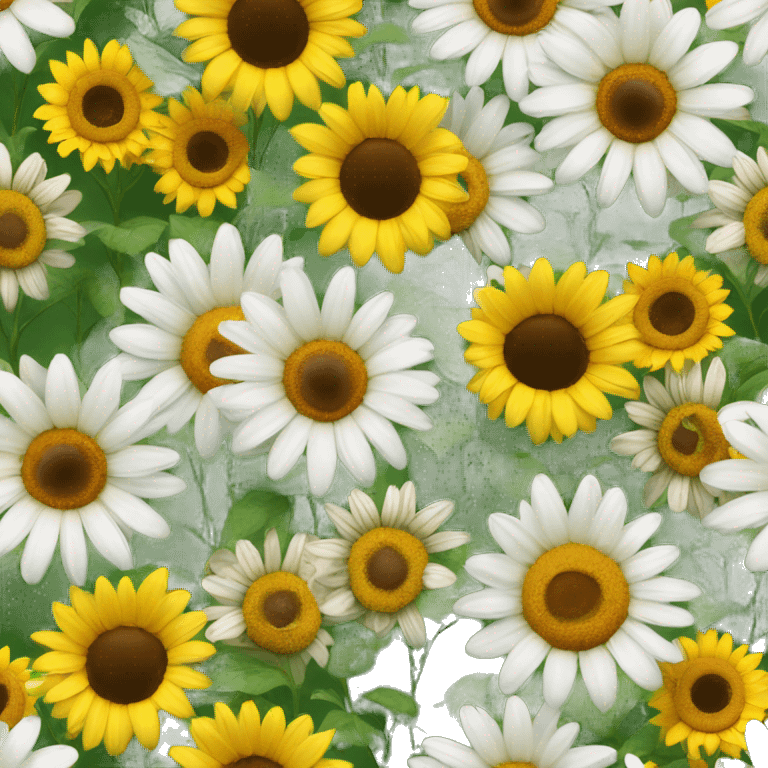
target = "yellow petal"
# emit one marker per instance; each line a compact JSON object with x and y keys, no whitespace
{"x":218,"y":72}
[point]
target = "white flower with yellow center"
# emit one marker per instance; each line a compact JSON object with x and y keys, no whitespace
{"x":629,"y":86}
{"x":329,"y":381}
{"x":17,"y":747}
{"x":69,"y":464}
{"x":381,"y":565}
{"x":497,"y":175}
{"x":742,"y":211}
{"x":724,"y":14}
{"x":267,"y":606}
{"x":182,"y":338}
{"x":32,"y":211}
{"x":576,"y":589}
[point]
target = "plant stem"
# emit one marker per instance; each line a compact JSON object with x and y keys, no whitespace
{"x":19,"y":98}
{"x":15,"y":334}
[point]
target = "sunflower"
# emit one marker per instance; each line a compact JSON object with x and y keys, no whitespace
{"x":99,"y":104}
{"x":708,"y":698}
{"x":200,"y":152}
{"x":267,"y":51}
{"x":248,"y":741}
{"x":679,"y":311}
{"x":548,"y":352}
{"x":120,"y":658}
{"x":380,"y":172}
{"x":17,"y":692}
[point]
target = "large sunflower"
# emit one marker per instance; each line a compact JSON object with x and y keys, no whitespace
{"x":201,"y":153}
{"x":379,"y":172}
{"x":267,"y":51}
{"x":120,"y":658}
{"x":99,"y":104}
{"x":547,"y":352}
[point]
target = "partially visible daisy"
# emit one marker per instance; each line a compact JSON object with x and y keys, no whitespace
{"x":267,"y":606}
{"x":629,"y":86}
{"x":575,"y":589}
{"x":330,"y":381}
{"x":381,"y":564}
{"x":725,"y":14}
{"x":17,"y":692}
{"x":756,"y":736}
{"x":497,"y":175}
{"x":32,"y":211}
{"x":633,"y":761}
{"x":740,"y":212}
{"x":182,"y":338}
{"x":17,"y":748}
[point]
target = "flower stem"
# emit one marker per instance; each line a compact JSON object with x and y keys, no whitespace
{"x":15,"y":335}
{"x":18,"y":100}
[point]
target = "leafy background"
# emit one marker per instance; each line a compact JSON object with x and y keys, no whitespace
{"x":380,"y":716}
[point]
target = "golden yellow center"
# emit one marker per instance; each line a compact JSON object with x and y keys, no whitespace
{"x":202,"y":344}
{"x":462,"y":216}
{"x":756,"y":226}
{"x":64,"y":469}
{"x":207,"y":151}
{"x":4,"y":4}
{"x":22,"y":230}
{"x":513,"y":764}
{"x":386,"y":566}
{"x":325,"y":380}
{"x":690,"y":437}
{"x":575,"y":597}
{"x":281,"y":614}
{"x":13,"y":698}
{"x":254,"y":761}
{"x":711,"y":3}
{"x":516,"y":17}
{"x":734,"y":454}
{"x":636,"y":102}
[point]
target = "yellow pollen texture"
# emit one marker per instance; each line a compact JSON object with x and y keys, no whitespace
{"x":682,"y":426}
{"x":22,"y":230}
{"x":462,"y":215}
{"x":756,"y":226}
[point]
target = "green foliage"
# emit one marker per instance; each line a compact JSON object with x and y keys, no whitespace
{"x":383,"y":33}
{"x":251,"y":514}
{"x":198,"y":232}
{"x":330,"y":696}
{"x":752,"y":387}
{"x":247,"y":674}
{"x":350,"y":728}
{"x":78,"y":6}
{"x":133,"y":236}
{"x":397,"y":702}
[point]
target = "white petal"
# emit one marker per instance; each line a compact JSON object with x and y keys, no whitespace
{"x":737,"y":475}
{"x":651,"y":641}
{"x":515,"y":214}
{"x":207,"y":428}
{"x":429,"y":519}
{"x":518,"y":730}
{"x":616,"y":169}
{"x":550,"y":510}
{"x":400,"y":355}
{"x":749,"y":511}
{"x":407,"y":384}
{"x":158,"y":310}
{"x":321,"y":457}
{"x":659,"y":613}
{"x":489,"y":604}
{"x":559,"y":743}
{"x":459,"y":40}
{"x":54,"y":257}
{"x":17,"y":522}
{"x":368,"y":320}
{"x":74,"y":555}
{"x":757,"y":554}
{"x":732,"y":14}
{"x":682,"y":163}
{"x":437,"y":576}
{"x":412,"y":625}
{"x":585,"y":154}
{"x":382,"y":436}
{"x":9,"y":288}
{"x":23,"y":405}
{"x":33,"y":281}
{"x":664,"y":589}
{"x":649,"y":562}
{"x":635,"y":30}
{"x":702,"y":64}
{"x":156,"y":486}
{"x":164,"y":277}
{"x":141,"y":460}
{"x":650,"y":177}
{"x":483,"y":734}
{"x":102,"y":398}
{"x":636,"y":663}
{"x":14,"y":43}
{"x":583,"y":507}
{"x":300,"y":304}
{"x":590,"y":30}
{"x":144,"y":340}
{"x":513,"y":538}
{"x":756,"y":44}
{"x":44,"y":17}
{"x":498,"y":638}
{"x":41,"y":542}
{"x":733,"y":235}
{"x":134,"y":512}
{"x":598,"y":670}
{"x":559,"y":674}
{"x":397,"y":409}
{"x":593,"y":756}
{"x":288,"y":447}
{"x":271,"y":321}
{"x":62,"y":393}
{"x":442,"y":16}
{"x":753,"y":443}
{"x":521,"y":662}
{"x":226,"y":266}
{"x":354,"y":451}
{"x":712,"y":99}
{"x":395,"y":328}
{"x":484,"y":59}
{"x":608,"y":522}
{"x":452,"y":754}
{"x":338,"y":304}
{"x":191,"y":274}
{"x":573,"y":56}
{"x":122,"y":428}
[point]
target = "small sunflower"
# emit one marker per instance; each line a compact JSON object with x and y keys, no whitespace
{"x":121,"y":657}
{"x":201,"y":153}
{"x":267,"y":51}
{"x":380,"y":172}
{"x":548,"y":352}
{"x":17,"y":692}
{"x":679,"y":311}
{"x":99,"y":105}
{"x":708,"y":698}
{"x":249,"y":741}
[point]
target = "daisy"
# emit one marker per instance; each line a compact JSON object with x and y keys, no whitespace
{"x":181,"y":338}
{"x":380,"y":172}
{"x":626,"y":86}
{"x":748,"y":476}
{"x":756,"y":736}
{"x":40,"y":15}
{"x":548,"y":352}
{"x":708,"y":697}
{"x":381,"y":564}
{"x":32,"y":211}
{"x":679,"y":311}
{"x":497,"y":174}
{"x":267,"y":606}
{"x":724,"y":14}
{"x":521,"y":741}
{"x":17,"y":748}
{"x":495,"y":31}
{"x":575,"y":586}
{"x":121,"y":656}
{"x":329,"y":381}
{"x":740,"y":210}
{"x":100,"y":106}
{"x":224,"y":741}
{"x":70,"y":463}
{"x":681,"y":436}
{"x":267,"y":52}
{"x":200,"y":153}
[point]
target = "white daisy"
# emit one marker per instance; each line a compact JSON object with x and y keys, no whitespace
{"x":724,"y":14}
{"x":748,"y":476}
{"x":497,"y":31}
{"x":628,"y":86}
{"x":17,"y":747}
{"x":69,"y":463}
{"x":522,"y":741}
{"x":741,"y":210}
{"x":328,"y":381}
{"x":497,"y":175}
{"x":32,"y":211}
{"x":756,"y":736}
{"x":380,"y":566}
{"x":268,"y":607}
{"x":40,"y":15}
{"x":575,"y":587}
{"x":182,"y":337}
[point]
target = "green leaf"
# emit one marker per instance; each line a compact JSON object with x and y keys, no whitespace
{"x":643,"y":742}
{"x":133,"y":236}
{"x":249,"y":515}
{"x":740,"y":320}
{"x":752,"y":386}
{"x":693,"y":238}
{"x":265,"y":190}
{"x":248,"y":674}
{"x":350,"y":728}
{"x":197,"y":231}
{"x":330,"y":696}
{"x":384,"y":33}
{"x":395,"y":701}
{"x":78,"y":6}
{"x":103,"y":290}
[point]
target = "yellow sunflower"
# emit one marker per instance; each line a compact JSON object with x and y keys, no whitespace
{"x":548,"y":352}
{"x":380,"y":172}
{"x":708,"y":698}
{"x":120,"y":658}
{"x":266,"y":51}
{"x":679,"y":311}
{"x":17,"y":691}
{"x":246,"y":741}
{"x":99,"y":104}
{"x":201,"y":153}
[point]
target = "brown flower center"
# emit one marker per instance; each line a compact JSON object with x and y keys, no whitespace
{"x":516,"y":17}
{"x":254,"y":761}
{"x":387,"y":568}
{"x":685,"y":440}
{"x":281,"y":608}
{"x":207,"y":151}
{"x":103,"y":106}
{"x":4,"y":4}
{"x":13,"y":230}
{"x":711,"y":693}
{"x":672,"y":313}
{"x":572,"y":595}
